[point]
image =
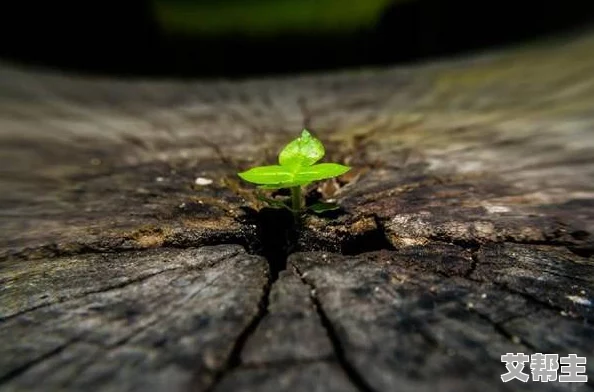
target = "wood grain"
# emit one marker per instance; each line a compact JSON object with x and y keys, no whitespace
{"x":132,"y":256}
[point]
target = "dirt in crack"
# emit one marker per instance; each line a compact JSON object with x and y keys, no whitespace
{"x":277,"y":233}
{"x":278,"y":237}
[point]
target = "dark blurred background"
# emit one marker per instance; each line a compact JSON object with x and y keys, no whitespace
{"x":242,"y":38}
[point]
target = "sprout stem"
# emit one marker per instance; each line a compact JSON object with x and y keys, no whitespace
{"x":296,"y":202}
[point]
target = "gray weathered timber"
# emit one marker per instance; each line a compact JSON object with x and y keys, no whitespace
{"x":416,"y":320}
{"x":290,"y":349}
{"x":290,"y":316}
{"x":128,"y":245}
{"x":315,"y":377}
{"x":100,"y":164}
{"x":151,"y":320}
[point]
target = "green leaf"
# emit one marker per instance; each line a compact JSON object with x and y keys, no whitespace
{"x":303,"y":151}
{"x":297,"y":166}
{"x":273,"y":174}
{"x":320,"y":171}
{"x":322,"y":207}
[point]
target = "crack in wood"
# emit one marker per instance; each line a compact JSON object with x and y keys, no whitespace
{"x":275,"y":234}
{"x":453,"y":173}
{"x":351,"y":372}
{"x":87,"y":293}
{"x":234,"y":358}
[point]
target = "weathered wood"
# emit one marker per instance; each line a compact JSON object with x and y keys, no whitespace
{"x":290,"y":349}
{"x":498,"y":120}
{"x":291,"y":315}
{"x":152,"y":320}
{"x":316,"y":377}
{"x":466,"y":229}
{"x":431,"y":318}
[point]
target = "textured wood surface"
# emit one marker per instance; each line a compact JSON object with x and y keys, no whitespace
{"x":133,"y":258}
{"x":152,"y":319}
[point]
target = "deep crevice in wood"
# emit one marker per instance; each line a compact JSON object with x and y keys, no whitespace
{"x":277,"y":235}
{"x":351,"y":372}
{"x":234,"y":359}
{"x":276,"y":240}
{"x":465,"y":241}
{"x":370,"y":241}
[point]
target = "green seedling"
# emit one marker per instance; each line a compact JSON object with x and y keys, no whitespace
{"x":297,"y":168}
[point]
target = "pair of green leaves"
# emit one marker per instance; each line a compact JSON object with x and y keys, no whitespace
{"x":297,"y":166}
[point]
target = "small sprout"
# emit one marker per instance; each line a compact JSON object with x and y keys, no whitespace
{"x":297,"y":167}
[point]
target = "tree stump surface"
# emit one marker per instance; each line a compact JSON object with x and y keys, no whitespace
{"x":132,"y":257}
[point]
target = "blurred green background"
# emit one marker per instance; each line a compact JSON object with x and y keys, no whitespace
{"x":264,"y":17}
{"x":246,"y":38}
